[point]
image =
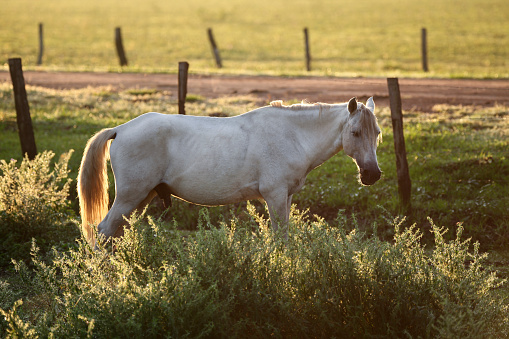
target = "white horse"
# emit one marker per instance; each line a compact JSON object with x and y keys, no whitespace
{"x":263,"y":154}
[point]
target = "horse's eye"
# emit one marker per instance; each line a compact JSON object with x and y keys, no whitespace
{"x":356,"y":133}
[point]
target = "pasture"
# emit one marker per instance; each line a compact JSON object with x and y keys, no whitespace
{"x":361,"y":38}
{"x":210,"y":272}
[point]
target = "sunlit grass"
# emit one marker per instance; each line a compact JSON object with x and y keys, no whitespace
{"x":368,"y":37}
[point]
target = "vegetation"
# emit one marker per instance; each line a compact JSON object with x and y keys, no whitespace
{"x":34,"y":204}
{"x":241,"y":280}
{"x":348,"y":38}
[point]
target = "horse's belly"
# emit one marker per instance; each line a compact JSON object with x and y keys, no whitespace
{"x":205,"y":193}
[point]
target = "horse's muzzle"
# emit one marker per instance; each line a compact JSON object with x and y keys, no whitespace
{"x":370,"y":176}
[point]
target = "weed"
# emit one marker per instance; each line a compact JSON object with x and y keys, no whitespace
{"x":33,"y":204}
{"x":242,"y":280}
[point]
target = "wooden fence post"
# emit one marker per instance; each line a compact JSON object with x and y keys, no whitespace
{"x":308,"y":54}
{"x":25,"y":129}
{"x":41,"y":46}
{"x":404,"y":183}
{"x":182,"y":86}
{"x":215,"y":50}
{"x":424,"y":49}
{"x":120,"y":47}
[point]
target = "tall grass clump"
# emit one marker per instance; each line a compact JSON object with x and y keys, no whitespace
{"x":33,"y":204}
{"x":240,"y":279}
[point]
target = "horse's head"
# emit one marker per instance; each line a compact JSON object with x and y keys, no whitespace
{"x":360,"y":139}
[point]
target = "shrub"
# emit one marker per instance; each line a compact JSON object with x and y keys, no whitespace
{"x":231,"y":281}
{"x":33,"y":204}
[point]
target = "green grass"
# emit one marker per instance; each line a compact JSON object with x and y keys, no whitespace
{"x":367,"y":37}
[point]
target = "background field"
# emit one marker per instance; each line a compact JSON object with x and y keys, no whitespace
{"x":367,"y":37}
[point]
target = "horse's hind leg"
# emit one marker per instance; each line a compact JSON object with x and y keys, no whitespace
{"x":123,"y":206}
{"x":141,"y":207}
{"x":109,"y":226}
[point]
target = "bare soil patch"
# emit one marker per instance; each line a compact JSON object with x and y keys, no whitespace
{"x":417,"y":94}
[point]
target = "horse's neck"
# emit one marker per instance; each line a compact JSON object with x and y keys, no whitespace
{"x":323,"y":132}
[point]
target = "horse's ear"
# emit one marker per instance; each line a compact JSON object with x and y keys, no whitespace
{"x":352,"y":105}
{"x":371,"y":105}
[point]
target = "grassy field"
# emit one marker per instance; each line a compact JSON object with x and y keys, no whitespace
{"x":348,"y":38}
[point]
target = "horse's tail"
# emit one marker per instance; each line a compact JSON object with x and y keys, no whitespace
{"x":93,"y":182}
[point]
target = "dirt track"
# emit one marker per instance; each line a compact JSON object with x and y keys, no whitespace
{"x":417,"y":94}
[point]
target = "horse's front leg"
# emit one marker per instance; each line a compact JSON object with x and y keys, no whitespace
{"x":279,"y":204}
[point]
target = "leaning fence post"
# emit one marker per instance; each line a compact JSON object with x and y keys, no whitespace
{"x":215,"y":50}
{"x":308,"y":54}
{"x":41,"y":46}
{"x":404,"y":183}
{"x":120,"y":47}
{"x":182,"y":86}
{"x":424,"y":49}
{"x":25,"y":129}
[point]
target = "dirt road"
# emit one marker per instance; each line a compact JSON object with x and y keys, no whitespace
{"x":417,"y":94}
